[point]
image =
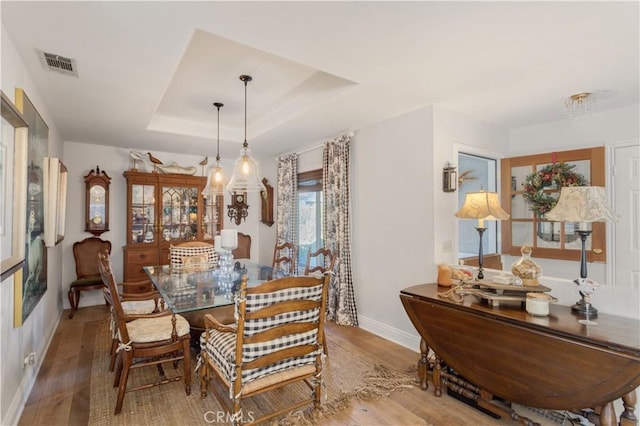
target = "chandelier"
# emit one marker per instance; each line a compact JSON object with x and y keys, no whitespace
{"x":580,"y":104}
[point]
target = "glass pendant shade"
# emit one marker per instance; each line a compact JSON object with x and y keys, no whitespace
{"x":246,"y":176}
{"x":215,"y":182}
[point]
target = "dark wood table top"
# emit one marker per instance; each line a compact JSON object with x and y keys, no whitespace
{"x":613,"y":332}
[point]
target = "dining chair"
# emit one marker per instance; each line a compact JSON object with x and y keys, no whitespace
{"x":275,"y":341}
{"x":85,"y":255}
{"x":243,"y":251}
{"x":284,"y":256}
{"x":321,"y":260}
{"x":146,"y":340}
{"x":138,"y":297}
{"x":193,"y":254}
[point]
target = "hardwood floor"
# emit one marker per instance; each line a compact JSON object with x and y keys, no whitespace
{"x":60,"y":395}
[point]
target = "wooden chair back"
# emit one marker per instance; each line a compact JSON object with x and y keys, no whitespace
{"x":323,"y":259}
{"x":284,"y":258}
{"x":243,"y":251}
{"x":278,"y":338}
{"x":85,"y":254}
{"x":112,"y":294}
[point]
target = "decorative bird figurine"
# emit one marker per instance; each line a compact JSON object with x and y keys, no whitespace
{"x":204,"y":163}
{"x":154,"y":160}
{"x":137,"y":156}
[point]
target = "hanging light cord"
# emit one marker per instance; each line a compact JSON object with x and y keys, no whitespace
{"x":246,"y":79}
{"x":218,"y":105}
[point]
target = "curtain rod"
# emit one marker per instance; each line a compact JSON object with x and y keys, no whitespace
{"x":311,"y":148}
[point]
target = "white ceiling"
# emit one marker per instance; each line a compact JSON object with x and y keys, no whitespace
{"x":148,"y":72}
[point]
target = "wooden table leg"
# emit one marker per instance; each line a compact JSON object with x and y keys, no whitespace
{"x":628,"y":417}
{"x":423,"y":365}
{"x":437,"y":377}
{"x":608,"y":415}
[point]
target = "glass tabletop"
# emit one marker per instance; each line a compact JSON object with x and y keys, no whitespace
{"x":190,"y":289}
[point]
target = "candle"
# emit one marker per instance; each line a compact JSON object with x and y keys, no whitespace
{"x":217,"y":243}
{"x":444,"y":275}
{"x":229,"y":238}
{"x":480,"y":223}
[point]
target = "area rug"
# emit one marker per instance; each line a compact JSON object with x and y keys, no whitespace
{"x":348,"y":374}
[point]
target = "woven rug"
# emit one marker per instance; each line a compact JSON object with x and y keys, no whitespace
{"x":348,"y":375}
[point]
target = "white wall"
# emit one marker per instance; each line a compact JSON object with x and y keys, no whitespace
{"x":392,"y":219}
{"x":36,"y":332}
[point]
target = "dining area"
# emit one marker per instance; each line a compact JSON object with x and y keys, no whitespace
{"x":252,"y":327}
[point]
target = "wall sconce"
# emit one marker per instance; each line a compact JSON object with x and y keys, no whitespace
{"x":449,"y":178}
{"x":238,"y":210}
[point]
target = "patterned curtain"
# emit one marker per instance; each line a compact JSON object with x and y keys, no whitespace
{"x":287,"y":202}
{"x":337,"y":228}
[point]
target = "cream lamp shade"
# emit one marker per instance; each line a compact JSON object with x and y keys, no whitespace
{"x":482,"y":206}
{"x":581,"y":204}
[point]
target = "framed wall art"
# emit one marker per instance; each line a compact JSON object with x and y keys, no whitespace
{"x":55,"y":198}
{"x":14,"y":183}
{"x":32,"y":287}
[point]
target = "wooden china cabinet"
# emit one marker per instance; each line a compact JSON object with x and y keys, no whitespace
{"x":165,"y":209}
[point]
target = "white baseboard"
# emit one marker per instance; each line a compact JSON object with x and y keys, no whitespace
{"x":21,"y":396}
{"x":408,"y":340}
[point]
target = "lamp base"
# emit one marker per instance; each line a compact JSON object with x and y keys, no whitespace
{"x":584,"y":308}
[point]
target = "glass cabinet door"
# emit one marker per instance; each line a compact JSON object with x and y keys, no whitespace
{"x":143,"y":211}
{"x":211,"y":217}
{"x":179,"y":213}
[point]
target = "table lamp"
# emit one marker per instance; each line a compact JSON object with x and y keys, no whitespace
{"x":482,"y":206}
{"x":582,"y":204}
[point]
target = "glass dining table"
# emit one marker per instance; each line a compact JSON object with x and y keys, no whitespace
{"x":195,"y":292}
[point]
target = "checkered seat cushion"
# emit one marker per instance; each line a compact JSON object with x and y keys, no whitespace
{"x":196,"y":256}
{"x":221,"y":346}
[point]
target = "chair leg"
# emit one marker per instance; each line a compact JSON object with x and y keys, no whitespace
{"x":204,"y":376}
{"x":186,"y":348}
{"x":74,"y":301}
{"x":126,"y":360}
{"x":116,"y":378}
{"x":161,"y":371}
{"x":114,"y":347}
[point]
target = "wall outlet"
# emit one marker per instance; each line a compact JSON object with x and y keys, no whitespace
{"x":30,"y":359}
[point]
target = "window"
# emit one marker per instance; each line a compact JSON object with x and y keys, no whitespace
{"x":309,"y":214}
{"x":549,"y":240}
{"x":476,"y":173}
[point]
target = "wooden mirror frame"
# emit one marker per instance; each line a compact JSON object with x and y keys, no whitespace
{"x":95,"y":222}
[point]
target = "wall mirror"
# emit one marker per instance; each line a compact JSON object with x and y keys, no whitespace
{"x":97,"y":201}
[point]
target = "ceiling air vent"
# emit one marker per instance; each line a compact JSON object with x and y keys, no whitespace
{"x":58,"y":63}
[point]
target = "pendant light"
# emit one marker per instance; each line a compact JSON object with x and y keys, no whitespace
{"x":245,"y":177}
{"x":215,"y":183}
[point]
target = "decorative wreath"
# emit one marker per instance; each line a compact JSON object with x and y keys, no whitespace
{"x":558,"y":174}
